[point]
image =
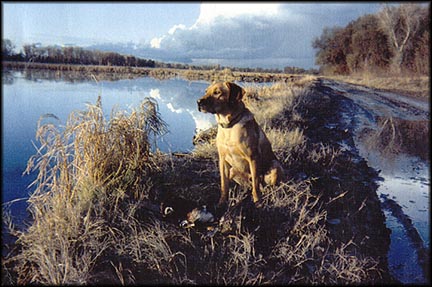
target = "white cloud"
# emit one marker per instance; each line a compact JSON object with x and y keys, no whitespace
{"x":210,"y":11}
{"x":156,"y":42}
{"x":255,"y":34}
{"x":176,"y":27}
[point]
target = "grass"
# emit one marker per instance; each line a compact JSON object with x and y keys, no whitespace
{"x":417,"y":86}
{"x":75,"y":72}
{"x":95,"y":176}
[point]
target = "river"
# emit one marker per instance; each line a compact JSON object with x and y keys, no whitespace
{"x":26,"y":97}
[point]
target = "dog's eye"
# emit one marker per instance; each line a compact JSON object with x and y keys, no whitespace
{"x":218,"y":94}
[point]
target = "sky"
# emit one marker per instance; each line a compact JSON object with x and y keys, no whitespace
{"x":242,"y":34}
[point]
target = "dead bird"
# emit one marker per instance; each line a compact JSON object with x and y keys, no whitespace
{"x":175,"y":209}
{"x":197,"y":216}
{"x":185,"y":213}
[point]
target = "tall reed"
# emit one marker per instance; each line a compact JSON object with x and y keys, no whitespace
{"x":85,"y":171}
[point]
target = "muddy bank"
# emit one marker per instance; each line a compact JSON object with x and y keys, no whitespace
{"x":349,"y":187}
{"x":343,"y":180}
{"x":391,"y":132}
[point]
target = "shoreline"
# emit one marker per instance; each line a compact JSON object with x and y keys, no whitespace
{"x":411,"y":86}
{"x":128,"y":72}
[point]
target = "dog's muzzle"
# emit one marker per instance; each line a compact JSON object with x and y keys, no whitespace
{"x":203,"y":105}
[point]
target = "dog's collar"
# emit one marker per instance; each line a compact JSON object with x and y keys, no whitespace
{"x":233,"y":121}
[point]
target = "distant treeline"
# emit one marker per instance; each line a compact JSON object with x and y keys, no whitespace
{"x":80,"y":56}
{"x":395,"y":40}
{"x":71,"y":55}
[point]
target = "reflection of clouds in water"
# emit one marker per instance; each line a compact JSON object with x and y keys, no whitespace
{"x":202,"y":121}
{"x":155,"y":93}
{"x":174,"y":110}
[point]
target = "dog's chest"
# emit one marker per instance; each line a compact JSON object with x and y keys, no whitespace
{"x":237,"y":144}
{"x":229,"y":139}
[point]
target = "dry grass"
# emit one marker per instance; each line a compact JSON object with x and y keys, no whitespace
{"x":418,"y":86}
{"x":85,"y":173}
{"x":78,"y":72}
{"x":89,"y":225}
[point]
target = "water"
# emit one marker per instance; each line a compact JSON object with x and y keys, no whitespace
{"x":406,"y":182}
{"x":26,"y":97}
{"x":399,"y":148}
{"x":392,"y":134}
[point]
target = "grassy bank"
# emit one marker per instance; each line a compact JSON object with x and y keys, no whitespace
{"x":98,"y":179}
{"x":120,"y":72}
{"x":416,"y":86}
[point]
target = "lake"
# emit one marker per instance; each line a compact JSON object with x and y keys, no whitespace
{"x":26,"y":98}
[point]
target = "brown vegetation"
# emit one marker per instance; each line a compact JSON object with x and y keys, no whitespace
{"x":393,"y":41}
{"x":90,"y":224}
{"x":415,"y":86}
{"x":119,"y":72}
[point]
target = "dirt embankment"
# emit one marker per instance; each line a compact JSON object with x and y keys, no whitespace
{"x":389,"y":128}
{"x":348,"y":187}
{"x":341,"y":179}
{"x":99,"y":72}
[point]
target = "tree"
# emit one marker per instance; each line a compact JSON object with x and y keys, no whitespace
{"x":396,"y":39}
{"x":399,"y":24}
{"x":7,"y":48}
{"x":29,"y":51}
{"x":368,"y":47}
{"x":422,"y":54}
{"x":332,"y":50}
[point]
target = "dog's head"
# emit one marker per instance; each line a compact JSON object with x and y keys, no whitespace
{"x":221,"y":98}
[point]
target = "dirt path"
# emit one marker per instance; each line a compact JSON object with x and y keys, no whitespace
{"x":382,"y":103}
{"x":394,"y":126}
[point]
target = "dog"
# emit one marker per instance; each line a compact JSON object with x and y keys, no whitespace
{"x":245,"y":153}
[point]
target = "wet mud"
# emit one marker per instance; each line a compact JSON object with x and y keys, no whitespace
{"x":392,"y":133}
{"x":349,"y":186}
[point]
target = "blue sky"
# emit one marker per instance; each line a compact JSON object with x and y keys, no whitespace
{"x":90,"y":23}
{"x":266,"y":34}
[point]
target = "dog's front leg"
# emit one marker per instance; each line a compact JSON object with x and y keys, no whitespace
{"x":256,"y":194}
{"x":224,"y":174}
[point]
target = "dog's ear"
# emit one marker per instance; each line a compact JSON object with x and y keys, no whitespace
{"x":236,"y":92}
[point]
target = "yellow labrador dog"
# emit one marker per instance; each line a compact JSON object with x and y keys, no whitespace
{"x":245,"y":153}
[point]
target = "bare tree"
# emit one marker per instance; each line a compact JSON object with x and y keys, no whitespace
{"x":399,"y":24}
{"x":7,"y":47}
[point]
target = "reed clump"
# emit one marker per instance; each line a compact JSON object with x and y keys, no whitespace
{"x":86,"y":173}
{"x":96,"y":175}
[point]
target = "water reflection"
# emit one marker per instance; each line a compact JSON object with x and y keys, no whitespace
{"x":24,"y":101}
{"x":76,"y":76}
{"x":7,"y":77}
{"x":179,"y":104}
{"x":400,"y":149}
{"x":394,"y":136}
